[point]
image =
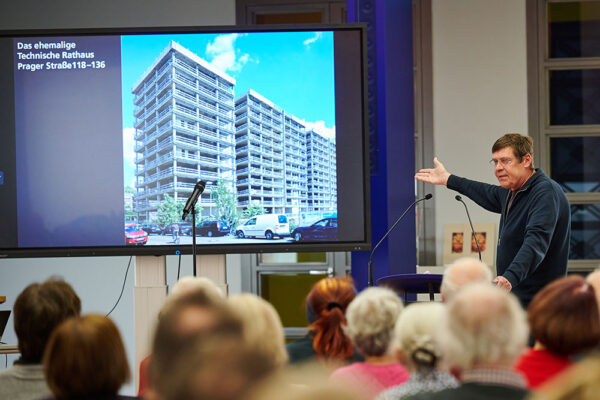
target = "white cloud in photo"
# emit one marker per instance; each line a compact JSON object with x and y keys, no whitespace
{"x":309,"y":41}
{"x":129,"y":146}
{"x":223,"y":54}
{"x":321,"y":129}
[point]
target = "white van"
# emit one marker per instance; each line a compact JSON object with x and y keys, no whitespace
{"x":264,"y":225}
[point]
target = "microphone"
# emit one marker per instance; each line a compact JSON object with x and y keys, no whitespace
{"x":427,"y":197}
{"x":191,"y":201}
{"x":458,"y":198}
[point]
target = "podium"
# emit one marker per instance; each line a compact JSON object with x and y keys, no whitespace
{"x":412,"y":283}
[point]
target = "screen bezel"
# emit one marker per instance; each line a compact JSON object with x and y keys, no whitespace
{"x":217,"y":248}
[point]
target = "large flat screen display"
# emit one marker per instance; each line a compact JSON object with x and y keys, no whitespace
{"x":106,"y":133}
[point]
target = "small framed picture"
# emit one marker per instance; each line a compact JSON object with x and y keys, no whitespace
{"x":460,"y":242}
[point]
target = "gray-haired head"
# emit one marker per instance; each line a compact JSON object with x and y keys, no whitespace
{"x":462,"y":272}
{"x":371,"y":317}
{"x":483,"y":325}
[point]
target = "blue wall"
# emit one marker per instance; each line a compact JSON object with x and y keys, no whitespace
{"x":391,"y":110}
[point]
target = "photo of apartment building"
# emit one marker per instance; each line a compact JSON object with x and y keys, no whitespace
{"x":259,"y":153}
{"x":321,"y":172}
{"x":280,"y":165}
{"x":188,"y":127}
{"x":184,"y":130}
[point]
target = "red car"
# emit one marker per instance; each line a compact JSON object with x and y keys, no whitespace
{"x":134,"y":234}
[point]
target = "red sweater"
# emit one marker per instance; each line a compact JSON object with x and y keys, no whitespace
{"x":538,"y":366}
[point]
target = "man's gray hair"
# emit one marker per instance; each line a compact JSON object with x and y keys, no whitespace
{"x":371,"y":317}
{"x":462,"y":272}
{"x":483,"y":325}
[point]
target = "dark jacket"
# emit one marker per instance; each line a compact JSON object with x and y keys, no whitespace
{"x":533,"y":238}
{"x":475,"y":391}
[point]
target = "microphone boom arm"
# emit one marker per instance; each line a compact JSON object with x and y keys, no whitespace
{"x":370,"y":282}
{"x":457,"y":197}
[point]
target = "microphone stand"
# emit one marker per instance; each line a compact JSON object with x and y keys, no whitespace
{"x":457,"y":197}
{"x":194,"y":239}
{"x":370,"y":282}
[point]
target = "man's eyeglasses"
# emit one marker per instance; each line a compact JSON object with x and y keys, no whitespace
{"x":502,"y":161}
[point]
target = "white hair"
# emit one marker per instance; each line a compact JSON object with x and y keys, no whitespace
{"x":483,"y":324}
{"x":262,"y":329}
{"x":462,"y":272}
{"x":414,"y":335}
{"x":371,"y":317}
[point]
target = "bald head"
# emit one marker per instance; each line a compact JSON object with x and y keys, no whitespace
{"x":461,"y":273}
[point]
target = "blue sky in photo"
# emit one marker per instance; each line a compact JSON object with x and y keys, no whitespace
{"x":294,"y":70}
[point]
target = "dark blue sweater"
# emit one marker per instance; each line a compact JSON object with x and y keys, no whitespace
{"x":533,"y":238}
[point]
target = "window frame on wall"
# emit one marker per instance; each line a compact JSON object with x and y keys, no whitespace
{"x":539,"y":66}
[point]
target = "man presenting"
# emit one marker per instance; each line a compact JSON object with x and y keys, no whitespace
{"x":535,"y":222}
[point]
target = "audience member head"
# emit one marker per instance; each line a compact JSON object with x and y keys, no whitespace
{"x":183,"y":319}
{"x":462,"y":272}
{"x":85,"y":358}
{"x":579,"y":382}
{"x":325,"y":305}
{"x":39,"y":309}
{"x":483,"y":325}
{"x":564,"y":317}
{"x":261,"y":326}
{"x":217,"y":366}
{"x":371,"y":317}
{"x":309,"y":381}
{"x":188,"y":284}
{"x":414,"y":336}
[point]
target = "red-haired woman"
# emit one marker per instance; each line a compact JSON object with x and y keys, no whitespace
{"x":325,"y":308}
{"x":564,"y":321}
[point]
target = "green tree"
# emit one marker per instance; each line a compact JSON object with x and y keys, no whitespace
{"x":226,"y":203}
{"x":169,"y":211}
{"x":130,"y":215}
{"x":253,"y":210}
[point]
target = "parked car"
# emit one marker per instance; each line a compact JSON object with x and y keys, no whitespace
{"x":152,"y":229}
{"x":264,"y":225}
{"x":212,"y":228}
{"x":135,"y":235}
{"x":323,"y":229}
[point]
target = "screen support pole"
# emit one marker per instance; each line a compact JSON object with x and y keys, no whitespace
{"x":194,"y":237}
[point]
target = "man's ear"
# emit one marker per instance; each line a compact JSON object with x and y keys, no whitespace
{"x":527,"y":160}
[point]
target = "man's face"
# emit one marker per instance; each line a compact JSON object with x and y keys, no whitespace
{"x":511,"y":173}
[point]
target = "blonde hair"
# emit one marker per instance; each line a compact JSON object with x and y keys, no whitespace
{"x":261,"y":326}
{"x":371,"y":317}
{"x":414,"y":335}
